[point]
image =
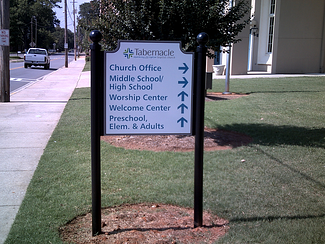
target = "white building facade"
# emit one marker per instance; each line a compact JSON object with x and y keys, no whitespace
{"x":285,"y":36}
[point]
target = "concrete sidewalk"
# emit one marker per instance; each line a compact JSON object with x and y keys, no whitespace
{"x":26,"y":125}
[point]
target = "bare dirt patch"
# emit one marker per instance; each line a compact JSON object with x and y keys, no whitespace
{"x":214,"y":139}
{"x":147,"y":224}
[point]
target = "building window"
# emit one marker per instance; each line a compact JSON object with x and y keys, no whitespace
{"x":271,"y":26}
{"x":217,"y":60}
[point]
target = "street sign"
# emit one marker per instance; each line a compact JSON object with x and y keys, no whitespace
{"x":148,"y":89}
{"x":4,"y":37}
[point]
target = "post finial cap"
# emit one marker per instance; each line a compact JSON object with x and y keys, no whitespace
{"x":202,"y":38}
{"x":95,"y":36}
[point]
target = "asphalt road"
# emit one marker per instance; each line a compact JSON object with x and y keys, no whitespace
{"x":20,"y":77}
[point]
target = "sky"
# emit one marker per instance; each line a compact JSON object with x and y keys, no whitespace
{"x":60,"y":12}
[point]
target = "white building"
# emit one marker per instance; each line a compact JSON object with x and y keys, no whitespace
{"x":285,"y":36}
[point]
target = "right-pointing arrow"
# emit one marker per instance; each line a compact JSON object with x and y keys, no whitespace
{"x":185,"y":68}
{"x":183,"y":82}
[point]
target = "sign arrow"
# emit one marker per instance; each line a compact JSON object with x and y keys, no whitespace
{"x":182,"y":94}
{"x":185,"y":68}
{"x":183,"y":82}
{"x":182,"y":106}
{"x":182,"y":120}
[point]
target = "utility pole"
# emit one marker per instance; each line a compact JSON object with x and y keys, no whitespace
{"x":31,"y":32}
{"x":4,"y":51}
{"x":35,"y":31}
{"x":74,"y":32}
{"x":79,"y":39}
{"x":66,"y":34}
{"x":32,"y":43}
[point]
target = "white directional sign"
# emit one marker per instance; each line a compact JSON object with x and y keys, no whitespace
{"x":148,"y":89}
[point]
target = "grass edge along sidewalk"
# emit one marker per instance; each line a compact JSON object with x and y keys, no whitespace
{"x":271,"y":191}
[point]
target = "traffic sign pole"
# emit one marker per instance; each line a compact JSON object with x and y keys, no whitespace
{"x":202,"y":39}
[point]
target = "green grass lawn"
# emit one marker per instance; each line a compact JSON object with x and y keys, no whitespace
{"x":16,"y":59}
{"x":87,"y":65}
{"x":276,"y":196}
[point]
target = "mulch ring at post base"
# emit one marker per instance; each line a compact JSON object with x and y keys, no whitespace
{"x":146,"y":223}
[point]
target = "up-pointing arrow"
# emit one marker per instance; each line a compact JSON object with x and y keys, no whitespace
{"x":185,"y":68}
{"x":182,"y":94}
{"x":182,"y":107}
{"x":183,"y":82}
{"x":182,"y":120}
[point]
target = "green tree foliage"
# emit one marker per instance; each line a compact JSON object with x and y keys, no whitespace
{"x":21,"y":14}
{"x":88,"y":14}
{"x":179,"y":20}
{"x":58,"y":38}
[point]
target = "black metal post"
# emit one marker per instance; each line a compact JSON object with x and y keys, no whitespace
{"x":96,"y":125}
{"x":202,"y":39}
